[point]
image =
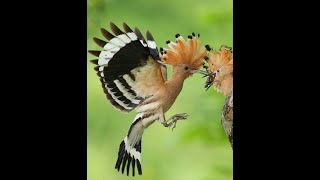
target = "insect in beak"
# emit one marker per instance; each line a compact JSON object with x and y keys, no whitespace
{"x":210,"y":80}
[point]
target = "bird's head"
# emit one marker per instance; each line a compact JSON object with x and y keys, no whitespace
{"x":220,"y":69}
{"x":185,"y":56}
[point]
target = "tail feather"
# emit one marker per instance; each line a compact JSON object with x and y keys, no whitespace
{"x":129,"y":155}
{"x":133,"y":164}
{"x":128,"y":165}
{"x":124,"y":161}
{"x":120,"y":155}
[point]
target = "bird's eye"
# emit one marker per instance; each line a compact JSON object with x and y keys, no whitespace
{"x":186,"y":67}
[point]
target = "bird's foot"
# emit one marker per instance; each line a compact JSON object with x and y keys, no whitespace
{"x":173,"y":120}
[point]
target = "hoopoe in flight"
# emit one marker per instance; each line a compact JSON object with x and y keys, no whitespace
{"x":134,"y":76}
{"x":220,"y":69}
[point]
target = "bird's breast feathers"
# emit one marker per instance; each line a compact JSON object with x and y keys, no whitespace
{"x":149,"y":79}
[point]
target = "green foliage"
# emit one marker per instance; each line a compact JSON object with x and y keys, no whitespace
{"x":198,"y":148}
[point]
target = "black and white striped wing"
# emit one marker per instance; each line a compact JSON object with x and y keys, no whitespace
{"x":120,"y":63}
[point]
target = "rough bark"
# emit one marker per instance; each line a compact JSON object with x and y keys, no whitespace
{"x":227,"y":117}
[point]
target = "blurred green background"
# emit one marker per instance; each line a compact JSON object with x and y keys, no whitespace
{"x":198,"y":148}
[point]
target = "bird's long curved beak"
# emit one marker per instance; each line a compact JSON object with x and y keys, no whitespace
{"x":200,"y":72}
{"x":160,"y":62}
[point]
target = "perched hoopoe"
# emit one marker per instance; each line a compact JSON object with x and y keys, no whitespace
{"x":220,"y":68}
{"x":220,"y":71}
{"x":134,"y":77}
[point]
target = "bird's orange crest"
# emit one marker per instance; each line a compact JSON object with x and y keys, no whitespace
{"x":221,"y":58}
{"x":187,"y":52}
{"x":220,"y":65}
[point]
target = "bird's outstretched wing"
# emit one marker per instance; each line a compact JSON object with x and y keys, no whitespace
{"x":127,"y":66}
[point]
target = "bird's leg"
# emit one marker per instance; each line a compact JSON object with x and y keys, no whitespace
{"x":176,"y":117}
{"x":172,"y":120}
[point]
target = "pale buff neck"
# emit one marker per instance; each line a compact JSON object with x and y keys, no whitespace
{"x":175,"y":84}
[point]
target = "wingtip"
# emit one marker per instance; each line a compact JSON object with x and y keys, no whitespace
{"x":111,"y":24}
{"x":149,"y":36}
{"x":95,"y":61}
{"x":137,"y":32}
{"x":126,"y":27}
{"x":94,"y":52}
{"x":136,"y":29}
{"x":99,"y":42}
{"x":106,"y":34}
{"x":96,"y":68}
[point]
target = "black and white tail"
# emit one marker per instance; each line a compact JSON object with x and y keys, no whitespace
{"x":130,"y":149}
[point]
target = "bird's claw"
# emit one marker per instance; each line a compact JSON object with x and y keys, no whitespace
{"x":177,"y":117}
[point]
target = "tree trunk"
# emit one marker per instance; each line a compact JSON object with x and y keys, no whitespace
{"x":227,"y":117}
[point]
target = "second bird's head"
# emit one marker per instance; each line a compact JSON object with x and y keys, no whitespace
{"x":220,"y":69}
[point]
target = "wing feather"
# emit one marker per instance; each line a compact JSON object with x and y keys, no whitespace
{"x":127,"y":66}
